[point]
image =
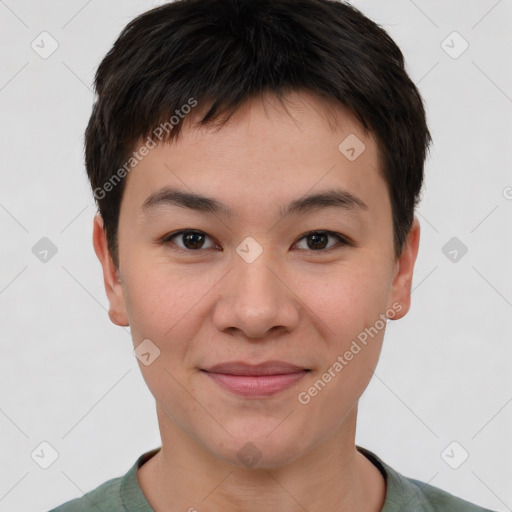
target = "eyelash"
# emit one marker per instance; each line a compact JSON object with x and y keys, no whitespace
{"x":342,"y":240}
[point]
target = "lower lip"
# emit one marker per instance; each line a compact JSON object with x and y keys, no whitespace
{"x":254,"y":386}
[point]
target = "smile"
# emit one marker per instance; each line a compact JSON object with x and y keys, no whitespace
{"x":256,"y":385}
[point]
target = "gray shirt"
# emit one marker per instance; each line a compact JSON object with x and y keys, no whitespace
{"x":123,"y":494}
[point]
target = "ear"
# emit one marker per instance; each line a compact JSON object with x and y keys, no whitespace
{"x":404,"y":267}
{"x":113,"y":287}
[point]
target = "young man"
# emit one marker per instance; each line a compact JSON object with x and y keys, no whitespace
{"x":257,"y":165}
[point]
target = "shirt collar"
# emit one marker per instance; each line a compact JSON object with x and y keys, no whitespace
{"x":400,"y":495}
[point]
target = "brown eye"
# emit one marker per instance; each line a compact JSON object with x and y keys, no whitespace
{"x":190,"y":240}
{"x":319,"y":240}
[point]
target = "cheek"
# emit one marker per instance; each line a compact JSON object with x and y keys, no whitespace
{"x":353,"y":316}
{"x":350,"y":309}
{"x":168,"y":307}
{"x":160,"y":300}
{"x":160,"y":305}
{"x":346,"y":301}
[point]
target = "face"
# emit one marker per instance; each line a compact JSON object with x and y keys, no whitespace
{"x":259,"y":274}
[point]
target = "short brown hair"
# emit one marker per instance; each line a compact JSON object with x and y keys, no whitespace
{"x":223,"y":52}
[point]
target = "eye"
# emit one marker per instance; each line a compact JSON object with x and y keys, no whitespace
{"x":318,"y":240}
{"x":192,"y":240}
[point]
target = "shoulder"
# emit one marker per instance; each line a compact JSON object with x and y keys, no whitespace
{"x":105,"y":496}
{"x":428,"y":498}
{"x":115,"y":495}
{"x":405,"y":494}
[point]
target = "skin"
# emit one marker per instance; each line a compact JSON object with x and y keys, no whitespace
{"x":293,"y":303}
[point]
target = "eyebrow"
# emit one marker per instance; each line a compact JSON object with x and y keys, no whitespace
{"x":336,"y":198}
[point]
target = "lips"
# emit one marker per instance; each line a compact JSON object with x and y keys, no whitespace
{"x":266,"y":368}
{"x":253,"y":381}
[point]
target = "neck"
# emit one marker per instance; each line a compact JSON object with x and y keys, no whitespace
{"x":331,"y":476}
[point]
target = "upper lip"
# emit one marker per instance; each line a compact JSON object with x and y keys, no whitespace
{"x":266,"y":368}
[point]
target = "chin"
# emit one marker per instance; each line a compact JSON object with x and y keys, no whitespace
{"x":263,"y":447}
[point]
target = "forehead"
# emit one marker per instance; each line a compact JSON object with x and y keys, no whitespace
{"x":267,"y":154}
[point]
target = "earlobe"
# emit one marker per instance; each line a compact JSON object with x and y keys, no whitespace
{"x":111,"y":279}
{"x":402,"y":282}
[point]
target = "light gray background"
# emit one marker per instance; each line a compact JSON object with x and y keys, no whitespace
{"x":69,"y":376}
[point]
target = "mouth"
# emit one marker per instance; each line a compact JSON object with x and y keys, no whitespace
{"x":259,"y":380}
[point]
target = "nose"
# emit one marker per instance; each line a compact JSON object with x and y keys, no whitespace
{"x":256,"y":301}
